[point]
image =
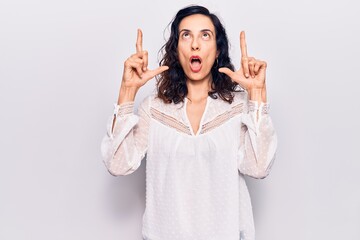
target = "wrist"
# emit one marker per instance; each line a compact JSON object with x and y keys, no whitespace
{"x":255,"y":95}
{"x":258,"y":94}
{"x":127,"y":95}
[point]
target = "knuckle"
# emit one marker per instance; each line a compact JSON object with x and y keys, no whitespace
{"x":127,"y":63}
{"x":135,"y":64}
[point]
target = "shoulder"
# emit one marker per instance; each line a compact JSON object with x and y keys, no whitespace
{"x":164,"y":112}
{"x":152,"y":101}
{"x":146,"y":103}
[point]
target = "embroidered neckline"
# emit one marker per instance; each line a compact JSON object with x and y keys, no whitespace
{"x":183,"y":124}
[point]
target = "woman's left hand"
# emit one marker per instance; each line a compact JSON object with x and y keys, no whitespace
{"x":251,"y":76}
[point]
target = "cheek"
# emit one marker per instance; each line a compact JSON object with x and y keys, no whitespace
{"x":214,"y":50}
{"x":211,"y":56}
{"x":181,"y":54}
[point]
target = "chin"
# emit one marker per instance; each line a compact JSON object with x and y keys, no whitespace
{"x":198,"y":76}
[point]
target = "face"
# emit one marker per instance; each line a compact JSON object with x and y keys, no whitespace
{"x":197,"y":46}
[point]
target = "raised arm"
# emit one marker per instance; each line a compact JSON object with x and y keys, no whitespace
{"x":251,"y":75}
{"x":125,"y":144}
{"x":258,"y":140}
{"x":136,"y":72}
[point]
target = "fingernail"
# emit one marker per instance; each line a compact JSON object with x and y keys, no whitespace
{"x":246,"y":75}
{"x":144,"y":68}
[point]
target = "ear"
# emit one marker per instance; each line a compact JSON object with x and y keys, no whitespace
{"x":217,"y":53}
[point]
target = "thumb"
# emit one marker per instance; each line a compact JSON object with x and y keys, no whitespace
{"x":227,"y":71}
{"x":158,"y":70}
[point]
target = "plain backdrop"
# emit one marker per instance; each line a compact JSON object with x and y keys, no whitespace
{"x":60,"y":72}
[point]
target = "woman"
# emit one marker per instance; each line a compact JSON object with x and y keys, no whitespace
{"x":201,"y":132}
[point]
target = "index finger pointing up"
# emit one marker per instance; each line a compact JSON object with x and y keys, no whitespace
{"x":139,"y":41}
{"x":243,"y":44}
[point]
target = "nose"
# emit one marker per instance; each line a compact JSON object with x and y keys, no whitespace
{"x":195,"y":45}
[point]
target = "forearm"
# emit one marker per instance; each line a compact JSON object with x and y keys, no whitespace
{"x":258,"y":144}
{"x":125,"y":143}
{"x":120,"y":155}
{"x":127,"y":94}
{"x":258,"y":95}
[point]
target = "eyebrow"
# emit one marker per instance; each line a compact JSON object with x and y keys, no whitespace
{"x":202,"y":30}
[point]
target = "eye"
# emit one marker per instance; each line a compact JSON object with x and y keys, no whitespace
{"x":206,"y":35}
{"x":185,"y":35}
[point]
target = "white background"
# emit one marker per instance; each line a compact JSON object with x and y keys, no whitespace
{"x":60,"y":71}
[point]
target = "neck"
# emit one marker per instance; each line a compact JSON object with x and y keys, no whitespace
{"x":198,"y":89}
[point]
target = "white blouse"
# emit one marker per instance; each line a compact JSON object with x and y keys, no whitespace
{"x":195,"y":186}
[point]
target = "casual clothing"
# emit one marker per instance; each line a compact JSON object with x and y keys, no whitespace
{"x":195,"y":186}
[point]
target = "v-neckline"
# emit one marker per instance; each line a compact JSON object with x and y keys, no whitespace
{"x":201,"y":119}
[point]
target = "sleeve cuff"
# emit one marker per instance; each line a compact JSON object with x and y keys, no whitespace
{"x":254,"y":106}
{"x":123,"y":109}
{"x":257,"y":112}
{"x":263,"y":108}
{"x":120,"y":112}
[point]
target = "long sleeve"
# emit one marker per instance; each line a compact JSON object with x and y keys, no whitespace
{"x":125,"y":143}
{"x":258,"y":141}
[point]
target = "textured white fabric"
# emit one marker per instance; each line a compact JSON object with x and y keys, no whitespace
{"x":195,"y":186}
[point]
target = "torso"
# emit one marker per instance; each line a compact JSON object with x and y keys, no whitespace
{"x":194,"y":112}
{"x":193,"y":182}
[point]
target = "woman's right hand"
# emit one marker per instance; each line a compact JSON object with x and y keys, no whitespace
{"x":136,"y":72}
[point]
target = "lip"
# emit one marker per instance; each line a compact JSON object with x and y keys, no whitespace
{"x":195,"y":70}
{"x":195,"y":57}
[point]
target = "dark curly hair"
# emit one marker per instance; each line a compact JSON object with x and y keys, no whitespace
{"x":171,"y":84}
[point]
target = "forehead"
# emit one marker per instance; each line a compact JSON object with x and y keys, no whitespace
{"x":196,"y":22}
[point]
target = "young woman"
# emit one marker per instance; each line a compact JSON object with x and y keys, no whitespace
{"x":204,"y":129}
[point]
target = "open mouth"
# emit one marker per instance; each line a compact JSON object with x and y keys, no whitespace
{"x":195,"y":63}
